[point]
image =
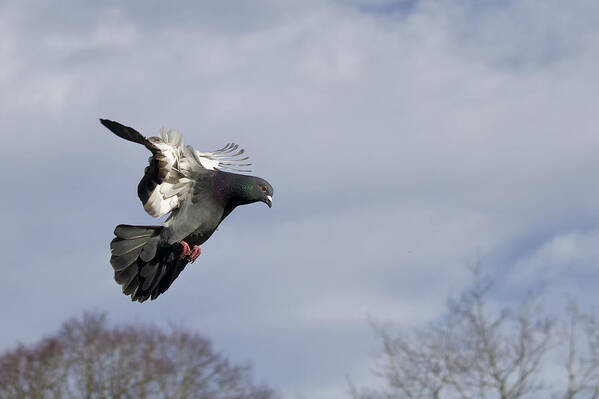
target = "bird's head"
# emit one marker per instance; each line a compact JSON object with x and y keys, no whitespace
{"x":249,"y":189}
{"x":263,"y":191}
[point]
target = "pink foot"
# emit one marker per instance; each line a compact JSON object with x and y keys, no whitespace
{"x":195,"y":253}
{"x":186,"y":251}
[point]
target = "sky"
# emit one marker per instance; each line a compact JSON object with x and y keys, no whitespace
{"x":404,"y":140}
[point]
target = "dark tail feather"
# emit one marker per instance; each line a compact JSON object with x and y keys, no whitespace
{"x":125,"y":132}
{"x":143,"y":267}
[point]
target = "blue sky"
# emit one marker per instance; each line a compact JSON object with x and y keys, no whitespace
{"x":402,"y":139}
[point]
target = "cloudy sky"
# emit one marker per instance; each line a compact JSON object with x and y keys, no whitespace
{"x":403,"y":139}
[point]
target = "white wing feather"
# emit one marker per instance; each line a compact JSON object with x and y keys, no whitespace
{"x":178,"y":163}
{"x":227,"y":158}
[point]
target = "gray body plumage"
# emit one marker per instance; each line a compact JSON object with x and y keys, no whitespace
{"x":189,"y":185}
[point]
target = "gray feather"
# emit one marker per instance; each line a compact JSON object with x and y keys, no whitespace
{"x":130,"y":232}
{"x":124,"y":277}
{"x":125,"y":132}
{"x":131,"y":287}
{"x":148,"y":270}
{"x":122,"y":262}
{"x":149,"y":250}
{"x":121,"y":247}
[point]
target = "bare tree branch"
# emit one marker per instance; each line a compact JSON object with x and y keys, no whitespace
{"x":88,"y":359}
{"x":471,"y":352}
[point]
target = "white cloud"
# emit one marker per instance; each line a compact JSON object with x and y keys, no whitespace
{"x":564,"y":256}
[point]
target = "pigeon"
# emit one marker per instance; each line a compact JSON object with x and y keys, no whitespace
{"x":198,"y":189}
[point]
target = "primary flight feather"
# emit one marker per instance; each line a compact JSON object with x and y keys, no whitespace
{"x":199,"y":192}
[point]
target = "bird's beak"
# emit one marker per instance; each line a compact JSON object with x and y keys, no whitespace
{"x":268,"y":201}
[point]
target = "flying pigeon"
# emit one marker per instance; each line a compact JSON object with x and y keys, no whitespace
{"x":199,"y":193}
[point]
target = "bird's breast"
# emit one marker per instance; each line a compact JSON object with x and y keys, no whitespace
{"x":200,"y":236}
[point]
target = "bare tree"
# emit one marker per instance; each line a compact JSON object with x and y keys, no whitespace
{"x":89,"y":359}
{"x":581,"y":335}
{"x":477,"y":352}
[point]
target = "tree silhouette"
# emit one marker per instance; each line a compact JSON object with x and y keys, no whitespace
{"x":89,"y":359}
{"x":477,"y":352}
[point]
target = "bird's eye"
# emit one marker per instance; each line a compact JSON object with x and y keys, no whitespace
{"x":263,"y":188}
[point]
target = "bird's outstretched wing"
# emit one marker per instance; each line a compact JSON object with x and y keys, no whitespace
{"x":170,"y":174}
{"x":174,"y":167}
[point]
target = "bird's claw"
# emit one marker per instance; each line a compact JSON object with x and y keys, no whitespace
{"x":195,"y":253}
{"x":185,"y":250}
